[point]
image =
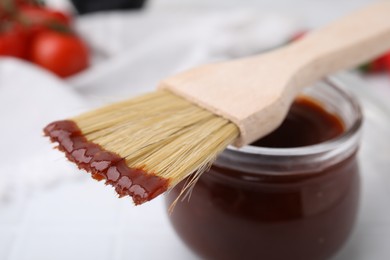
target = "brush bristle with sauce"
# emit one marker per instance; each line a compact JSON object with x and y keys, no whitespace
{"x":146,"y":145}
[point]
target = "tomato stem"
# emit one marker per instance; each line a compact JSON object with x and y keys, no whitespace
{"x":59,"y":27}
{"x":8,"y":7}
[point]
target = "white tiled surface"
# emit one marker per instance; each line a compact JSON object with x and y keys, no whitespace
{"x":83,"y":220}
{"x":65,"y":244}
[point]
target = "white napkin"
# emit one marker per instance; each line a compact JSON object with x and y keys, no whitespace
{"x":131,"y":53}
{"x":30,"y":98}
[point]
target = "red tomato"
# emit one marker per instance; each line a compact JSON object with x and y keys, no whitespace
{"x":297,"y":36}
{"x":387,"y":62}
{"x":38,"y":19}
{"x":382,"y":63}
{"x":63,"y":53}
{"x":379,"y":64}
{"x":13,"y":42}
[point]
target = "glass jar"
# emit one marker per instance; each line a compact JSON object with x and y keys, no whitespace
{"x":277,"y":203}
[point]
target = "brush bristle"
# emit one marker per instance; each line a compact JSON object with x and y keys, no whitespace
{"x":160,"y":133}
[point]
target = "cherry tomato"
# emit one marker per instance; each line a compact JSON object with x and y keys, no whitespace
{"x":382,"y":63}
{"x":62,"y":53}
{"x":387,"y":62}
{"x":32,"y":15}
{"x":297,"y":36}
{"x":379,"y":64}
{"x":38,"y":19}
{"x":13,"y":41}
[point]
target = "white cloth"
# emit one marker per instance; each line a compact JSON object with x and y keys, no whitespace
{"x":30,"y":98}
{"x":131,"y":53}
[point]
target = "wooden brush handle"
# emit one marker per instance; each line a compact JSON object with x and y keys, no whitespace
{"x":255,"y":93}
{"x":344,"y":44}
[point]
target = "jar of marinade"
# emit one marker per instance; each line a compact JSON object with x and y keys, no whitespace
{"x":293,"y":194}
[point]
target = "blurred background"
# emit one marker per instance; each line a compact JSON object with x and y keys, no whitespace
{"x":70,"y":56}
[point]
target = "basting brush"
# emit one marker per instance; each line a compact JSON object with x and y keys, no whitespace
{"x":146,"y":145}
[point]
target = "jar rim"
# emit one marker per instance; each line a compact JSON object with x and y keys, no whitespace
{"x":315,"y":148}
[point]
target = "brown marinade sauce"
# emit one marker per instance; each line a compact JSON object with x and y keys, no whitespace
{"x":103,"y":164}
{"x":237,"y":213}
{"x":303,"y":128}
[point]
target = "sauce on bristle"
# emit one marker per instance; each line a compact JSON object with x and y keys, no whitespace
{"x":105,"y":165}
